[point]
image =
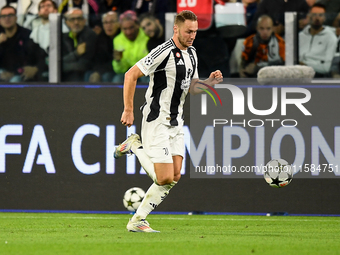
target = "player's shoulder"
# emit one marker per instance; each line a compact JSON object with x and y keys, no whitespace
{"x":163,"y":48}
{"x":156,"y":55}
{"x":192,"y":48}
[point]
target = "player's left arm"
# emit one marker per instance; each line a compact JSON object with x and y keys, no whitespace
{"x":197,"y":85}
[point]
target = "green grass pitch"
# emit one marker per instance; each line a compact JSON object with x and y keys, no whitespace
{"x":53,"y":233}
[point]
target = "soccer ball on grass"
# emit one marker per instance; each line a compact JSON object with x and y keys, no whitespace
{"x":132,"y":198}
{"x":278,"y":173}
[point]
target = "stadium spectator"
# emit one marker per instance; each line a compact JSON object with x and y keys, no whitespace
{"x":33,"y":21}
{"x":78,"y":47}
{"x":332,"y":10}
{"x":153,"y":29}
{"x":90,"y":10}
{"x":129,"y":45}
{"x":20,"y":58}
{"x":27,"y":10}
{"x":102,"y":70}
{"x":303,"y":18}
{"x":41,"y":31}
{"x":336,"y":24}
{"x":317,"y":43}
{"x":41,"y":28}
{"x":262,"y":49}
{"x":276,"y":9}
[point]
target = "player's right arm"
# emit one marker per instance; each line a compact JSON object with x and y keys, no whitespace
{"x":130,"y":82}
{"x":145,"y":66}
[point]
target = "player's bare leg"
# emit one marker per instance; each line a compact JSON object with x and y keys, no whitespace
{"x":168,"y":174}
{"x":133,"y":145}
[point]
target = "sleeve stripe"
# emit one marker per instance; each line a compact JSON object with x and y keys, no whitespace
{"x":160,"y":50}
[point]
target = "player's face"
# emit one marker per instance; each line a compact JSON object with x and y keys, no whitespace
{"x":130,"y":29}
{"x":186,"y":33}
{"x":8,"y":19}
{"x":110,"y":24}
{"x":76,"y":21}
{"x":45,"y":9}
{"x":317,"y":17}
{"x":265,"y":28}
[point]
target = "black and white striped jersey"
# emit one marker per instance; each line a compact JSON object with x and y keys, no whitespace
{"x":171,"y":71}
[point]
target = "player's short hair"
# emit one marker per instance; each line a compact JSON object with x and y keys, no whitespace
{"x":9,"y":6}
{"x":185,"y":15}
{"x":128,"y":15}
{"x":53,"y":3}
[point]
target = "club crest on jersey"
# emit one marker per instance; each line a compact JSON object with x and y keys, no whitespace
{"x":178,"y":54}
{"x":148,"y":61}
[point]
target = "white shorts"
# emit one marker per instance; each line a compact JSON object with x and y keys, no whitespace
{"x":161,"y":142}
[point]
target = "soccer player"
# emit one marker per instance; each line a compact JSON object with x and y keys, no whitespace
{"x":172,"y":68}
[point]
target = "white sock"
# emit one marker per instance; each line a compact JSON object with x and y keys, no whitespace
{"x":144,"y":160}
{"x":153,"y":197}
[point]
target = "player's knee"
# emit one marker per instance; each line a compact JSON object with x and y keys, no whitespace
{"x":177,"y":177}
{"x":165,"y":180}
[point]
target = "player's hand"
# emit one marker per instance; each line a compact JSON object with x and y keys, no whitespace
{"x":127,"y":118}
{"x":215,"y":77}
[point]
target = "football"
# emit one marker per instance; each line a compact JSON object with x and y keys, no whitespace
{"x":278,"y":173}
{"x":132,"y":198}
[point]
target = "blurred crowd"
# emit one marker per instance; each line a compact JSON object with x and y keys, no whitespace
{"x":102,"y":39}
